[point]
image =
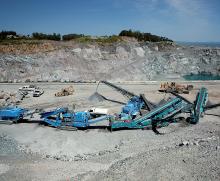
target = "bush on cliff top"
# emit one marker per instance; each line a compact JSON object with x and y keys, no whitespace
{"x":12,"y":35}
{"x":143,"y":36}
{"x":5,"y":34}
{"x":72,"y":36}
{"x":42,"y":36}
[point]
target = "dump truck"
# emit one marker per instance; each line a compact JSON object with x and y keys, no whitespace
{"x":175,"y":87}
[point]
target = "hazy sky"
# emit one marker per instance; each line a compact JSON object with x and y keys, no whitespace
{"x":181,"y":20}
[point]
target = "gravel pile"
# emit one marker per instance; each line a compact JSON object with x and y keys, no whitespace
{"x":8,"y":146}
{"x":96,"y":97}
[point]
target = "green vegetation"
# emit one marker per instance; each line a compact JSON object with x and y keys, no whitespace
{"x":84,"y":38}
{"x":5,"y":34}
{"x":42,"y":36}
{"x":19,"y":41}
{"x":143,"y":36}
{"x":109,"y":39}
{"x":72,"y":36}
{"x":100,"y":40}
{"x":13,"y":37}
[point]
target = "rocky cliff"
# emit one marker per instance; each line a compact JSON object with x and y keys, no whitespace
{"x":121,"y":61}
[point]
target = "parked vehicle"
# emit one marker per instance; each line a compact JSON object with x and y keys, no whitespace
{"x":38,"y":92}
{"x":28,"y":88}
{"x":31,"y":89}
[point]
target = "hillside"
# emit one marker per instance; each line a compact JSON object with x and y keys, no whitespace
{"x":87,"y":61}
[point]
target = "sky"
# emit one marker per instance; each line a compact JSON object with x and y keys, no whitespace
{"x":180,"y":20}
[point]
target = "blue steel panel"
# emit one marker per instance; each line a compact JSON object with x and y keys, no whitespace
{"x":13,"y":113}
{"x":172,"y":107}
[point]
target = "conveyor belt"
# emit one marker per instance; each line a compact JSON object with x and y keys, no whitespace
{"x":149,"y":105}
{"x":119,"y":89}
{"x":111,"y":100}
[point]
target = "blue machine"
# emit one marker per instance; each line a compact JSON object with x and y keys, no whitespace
{"x":161,"y":113}
{"x":199,"y":106}
{"x":12,"y":113}
{"x":196,"y":109}
{"x":164,"y":114}
{"x":61,"y":118}
{"x":130,"y":116}
{"x":133,"y":107}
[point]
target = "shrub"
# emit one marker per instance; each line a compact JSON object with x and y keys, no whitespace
{"x":72,"y":36}
{"x":42,"y":36}
{"x":143,"y":36}
{"x":4,"y":34}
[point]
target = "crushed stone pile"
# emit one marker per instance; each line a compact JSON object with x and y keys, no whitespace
{"x":96,"y":97}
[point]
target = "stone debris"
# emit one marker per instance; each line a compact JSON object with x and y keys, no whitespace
{"x":198,"y":141}
{"x":184,"y":143}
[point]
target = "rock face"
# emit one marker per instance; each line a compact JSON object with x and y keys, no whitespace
{"x":71,"y":61}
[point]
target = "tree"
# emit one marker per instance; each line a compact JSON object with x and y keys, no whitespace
{"x":42,"y":36}
{"x":143,"y":36}
{"x":4,"y":34}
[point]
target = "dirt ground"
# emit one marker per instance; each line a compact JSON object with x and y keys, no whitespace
{"x":29,"y":151}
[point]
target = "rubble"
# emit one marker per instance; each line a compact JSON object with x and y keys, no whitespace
{"x":184,"y":143}
{"x":199,"y":141}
